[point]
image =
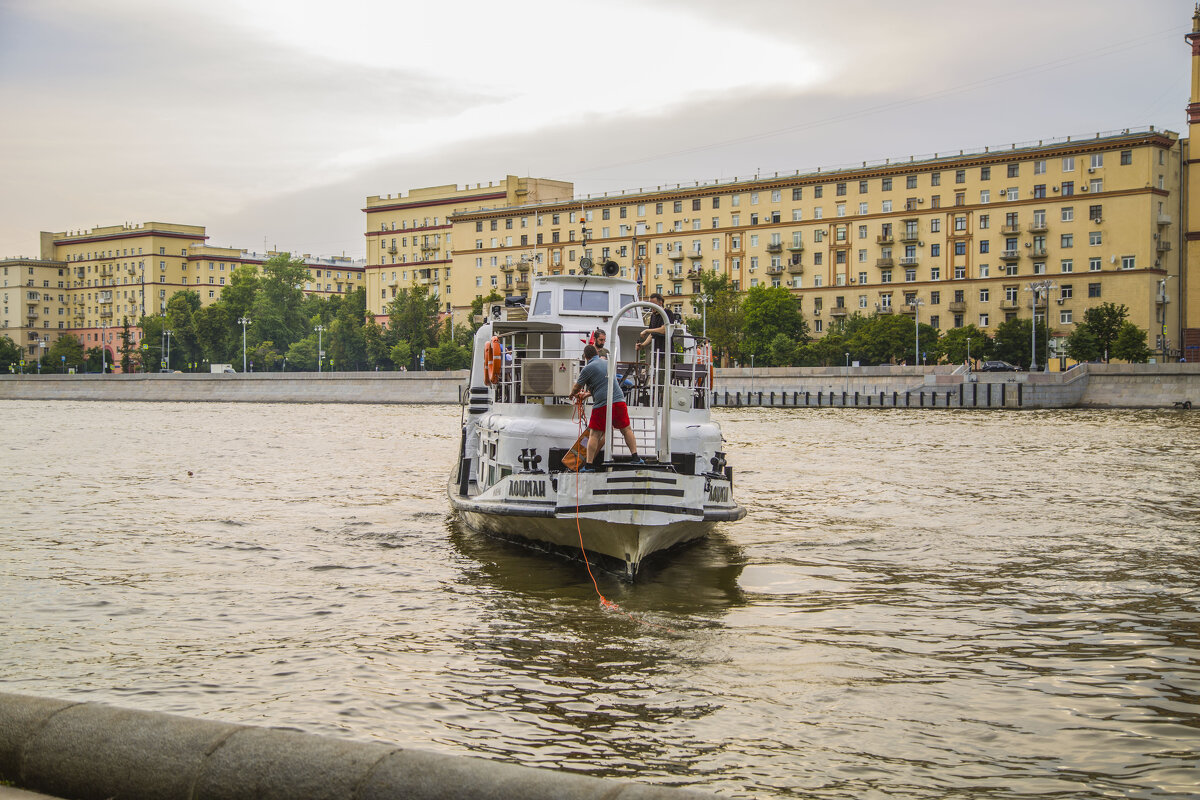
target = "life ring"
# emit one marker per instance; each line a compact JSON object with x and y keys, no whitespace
{"x":493,"y":360}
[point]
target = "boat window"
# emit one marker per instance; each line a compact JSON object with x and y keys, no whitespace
{"x":541,"y":304}
{"x":632,"y":313}
{"x":585,"y":300}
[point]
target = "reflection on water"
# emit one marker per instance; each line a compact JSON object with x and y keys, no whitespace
{"x":920,"y":604}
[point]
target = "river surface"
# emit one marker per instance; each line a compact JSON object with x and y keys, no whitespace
{"x":920,"y":604}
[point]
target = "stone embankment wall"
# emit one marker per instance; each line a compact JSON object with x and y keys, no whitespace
{"x":1088,"y":385}
{"x":87,"y":750}
{"x":254,"y":387}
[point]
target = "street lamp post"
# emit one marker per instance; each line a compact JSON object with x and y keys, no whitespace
{"x":320,"y":329}
{"x":968,"y":355}
{"x":847,"y":359}
{"x":1162,"y":298}
{"x":1037,"y":287}
{"x":103,"y":348}
{"x":244,"y":321}
{"x":916,"y":304}
{"x":703,"y":302}
{"x":168,"y":360}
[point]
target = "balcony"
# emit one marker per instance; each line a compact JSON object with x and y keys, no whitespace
{"x":1038,"y":252}
{"x":796,"y":247}
{"x":523,"y":266}
{"x":884,"y":238}
{"x":838,"y":311}
{"x":106,"y":315}
{"x":507,"y":267}
{"x":1010,"y":255}
{"x":32,"y":315}
{"x":885,"y":263}
{"x":1010,"y":230}
{"x":795,"y":268}
{"x":908,"y":261}
{"x":675,"y":255}
{"x":957,"y":307}
{"x":908,"y":237}
{"x":1162,"y":299}
{"x":1009,"y":305}
{"x":774,"y":247}
{"x":1164,"y":219}
{"x":882,"y":309}
{"x":1163,"y":246}
{"x":905,"y":308}
{"x":1038,"y":227}
{"x":696,"y":255}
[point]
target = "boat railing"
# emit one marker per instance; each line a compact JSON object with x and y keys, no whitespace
{"x":642,"y":380}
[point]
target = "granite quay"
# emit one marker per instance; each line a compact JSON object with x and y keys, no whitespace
{"x":85,"y":750}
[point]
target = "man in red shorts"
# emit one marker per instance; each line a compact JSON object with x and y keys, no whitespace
{"x":594,"y":378}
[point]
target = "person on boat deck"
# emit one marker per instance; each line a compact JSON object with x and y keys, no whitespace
{"x":593,"y":378}
{"x":599,"y":337}
{"x":656,"y":331}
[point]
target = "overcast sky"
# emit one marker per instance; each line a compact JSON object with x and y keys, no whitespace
{"x":270,"y":122}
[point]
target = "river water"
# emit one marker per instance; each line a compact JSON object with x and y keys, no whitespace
{"x":922,"y":604}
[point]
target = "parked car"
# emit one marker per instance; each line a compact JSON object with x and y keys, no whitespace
{"x":997,"y":366}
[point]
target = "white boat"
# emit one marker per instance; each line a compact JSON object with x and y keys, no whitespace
{"x":520,"y":423}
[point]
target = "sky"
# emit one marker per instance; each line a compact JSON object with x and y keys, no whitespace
{"x":271,"y":122}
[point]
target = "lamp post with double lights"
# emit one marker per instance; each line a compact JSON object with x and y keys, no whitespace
{"x":1037,"y":287}
{"x":41,"y":349}
{"x":320,"y":329}
{"x":916,"y":304}
{"x":168,"y":359}
{"x":244,"y":321}
{"x":968,"y":355}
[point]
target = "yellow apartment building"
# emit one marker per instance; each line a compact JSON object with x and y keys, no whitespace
{"x":955,"y":238}
{"x":90,"y":282}
{"x":410,"y":239}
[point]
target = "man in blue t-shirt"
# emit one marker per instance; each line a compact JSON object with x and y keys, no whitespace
{"x":594,"y":378}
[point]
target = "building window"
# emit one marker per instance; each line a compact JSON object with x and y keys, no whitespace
{"x":1014,"y":170}
{"x":1128,"y":262}
{"x":1068,"y":188}
{"x":984,"y":295}
{"x":983,"y":320}
{"x":910,"y":182}
{"x":935,"y":298}
{"x":1067,"y":265}
{"x":1097,"y":160}
{"x":1126,"y":158}
{"x":1094,"y":264}
{"x":910,"y":274}
{"x":1067,"y":240}
{"x":960,"y":176}
{"x":1067,"y":291}
{"x":1039,"y":167}
{"x":1065,"y":316}
{"x":887,"y":184}
{"x":1068,"y":214}
{"x":1068,"y":164}
{"x":1096,"y":213}
{"x":1094,"y":238}
{"x":1093,"y":290}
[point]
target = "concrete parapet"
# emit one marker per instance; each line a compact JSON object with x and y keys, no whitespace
{"x":255,"y":387}
{"x":91,"y":751}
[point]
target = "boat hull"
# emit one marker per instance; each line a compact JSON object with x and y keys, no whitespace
{"x":625,"y":515}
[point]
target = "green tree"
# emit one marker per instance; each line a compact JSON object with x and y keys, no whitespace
{"x":277,"y":313}
{"x":94,"y":360}
{"x":1104,"y":321}
{"x":448,"y":355}
{"x":218,"y":335}
{"x":1130,"y":344}
{"x":401,"y":354}
{"x":66,"y":352}
{"x":783,"y":351}
{"x":153,"y":351}
{"x":128,"y":350}
{"x":723,"y":314}
{"x":881,"y":339}
{"x":262,"y":357}
{"x":413,"y":318}
{"x":767,"y":313}
{"x":375,"y":343}
{"x":1012,"y":341}
{"x":347,"y":340}
{"x":10,"y":355}
{"x":952,"y":345}
{"x":1082,"y":344}
{"x":302,"y":354}
{"x":185,"y":343}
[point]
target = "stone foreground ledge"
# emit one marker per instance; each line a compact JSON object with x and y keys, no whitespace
{"x":91,"y":751}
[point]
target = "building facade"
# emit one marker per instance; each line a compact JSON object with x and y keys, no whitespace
{"x":954,"y":240}
{"x":92,"y":283}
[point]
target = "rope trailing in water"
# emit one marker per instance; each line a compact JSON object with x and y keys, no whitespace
{"x":577,"y":415}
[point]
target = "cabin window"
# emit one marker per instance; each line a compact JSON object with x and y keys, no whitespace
{"x":633,"y":313}
{"x":585,"y":300}
{"x":541,"y":305}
